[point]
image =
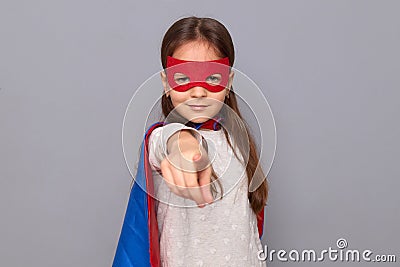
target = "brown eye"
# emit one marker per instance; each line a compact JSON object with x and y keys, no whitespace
{"x":214,"y":79}
{"x":181,"y":78}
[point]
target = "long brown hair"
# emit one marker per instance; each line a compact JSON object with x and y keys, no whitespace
{"x":214,"y":33}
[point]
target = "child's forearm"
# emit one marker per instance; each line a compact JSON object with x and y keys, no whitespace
{"x":183,"y":140}
{"x":158,"y":141}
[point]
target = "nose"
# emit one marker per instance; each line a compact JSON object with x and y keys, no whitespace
{"x":198,"y":91}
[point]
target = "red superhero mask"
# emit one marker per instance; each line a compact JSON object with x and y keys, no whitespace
{"x":212,"y":75}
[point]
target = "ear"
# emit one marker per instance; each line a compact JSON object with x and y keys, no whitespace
{"x":164,"y":82}
{"x":230,"y":81}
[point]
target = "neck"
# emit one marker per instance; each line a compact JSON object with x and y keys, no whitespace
{"x":210,"y":124}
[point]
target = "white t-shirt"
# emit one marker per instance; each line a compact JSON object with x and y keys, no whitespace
{"x":223,"y":233}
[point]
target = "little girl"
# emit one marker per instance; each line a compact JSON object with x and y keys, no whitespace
{"x":198,"y":145}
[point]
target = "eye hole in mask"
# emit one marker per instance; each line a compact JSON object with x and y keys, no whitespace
{"x":214,"y":79}
{"x":181,"y":79}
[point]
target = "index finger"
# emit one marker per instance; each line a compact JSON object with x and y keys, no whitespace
{"x":204,"y":178}
{"x":193,"y":188}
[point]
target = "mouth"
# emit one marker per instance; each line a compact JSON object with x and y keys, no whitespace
{"x":198,"y":107}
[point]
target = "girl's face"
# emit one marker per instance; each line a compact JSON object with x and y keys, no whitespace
{"x":196,"y":104}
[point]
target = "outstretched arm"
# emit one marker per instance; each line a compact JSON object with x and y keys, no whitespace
{"x":178,"y":152}
{"x":187,"y":169}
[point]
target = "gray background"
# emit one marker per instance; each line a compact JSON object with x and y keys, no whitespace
{"x":68,"y":69}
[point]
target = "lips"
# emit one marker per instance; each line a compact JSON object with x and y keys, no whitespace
{"x":198,"y":107}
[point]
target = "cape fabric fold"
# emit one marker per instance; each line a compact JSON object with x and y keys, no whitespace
{"x":138,"y":243}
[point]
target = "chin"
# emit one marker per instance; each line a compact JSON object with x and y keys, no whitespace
{"x":200,"y":120}
{"x":197,"y":117}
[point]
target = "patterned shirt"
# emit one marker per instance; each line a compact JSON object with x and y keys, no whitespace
{"x":223,"y":233}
